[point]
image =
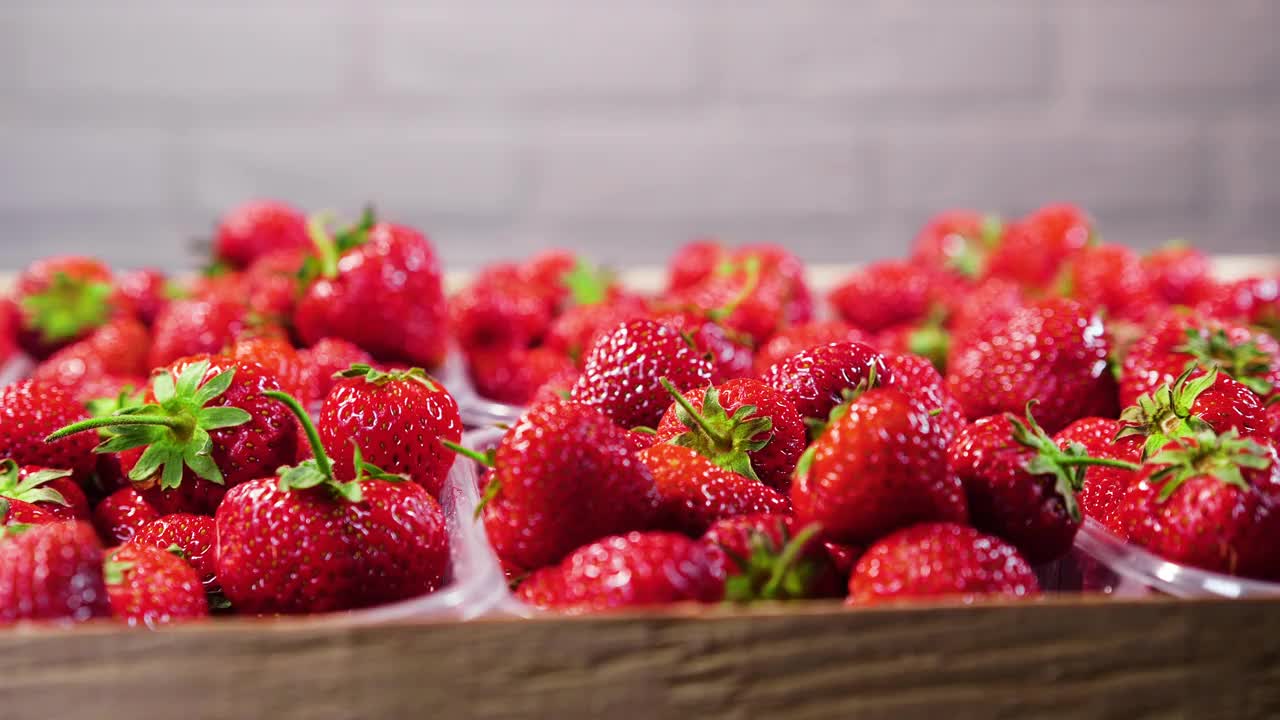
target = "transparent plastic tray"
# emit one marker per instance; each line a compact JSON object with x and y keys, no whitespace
{"x":483,"y":439}
{"x":476,"y":411}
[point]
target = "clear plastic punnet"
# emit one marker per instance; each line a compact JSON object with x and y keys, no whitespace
{"x":476,"y":411}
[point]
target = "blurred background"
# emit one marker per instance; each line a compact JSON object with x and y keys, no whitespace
{"x":623,"y":128}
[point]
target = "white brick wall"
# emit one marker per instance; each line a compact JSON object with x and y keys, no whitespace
{"x":501,"y":126}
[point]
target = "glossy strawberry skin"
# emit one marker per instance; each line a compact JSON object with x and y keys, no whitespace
{"x":576,"y":330}
{"x":622,"y":372}
{"x":954,"y":242}
{"x":884,"y":294}
{"x":880,"y":467}
{"x":52,"y":572}
{"x":275,"y":356}
{"x":320,"y":362}
{"x":121,"y":515}
{"x":29,"y":411}
{"x":306,"y":551}
{"x":38,"y":278}
{"x":568,"y":477}
{"x":815,"y":379}
{"x":971,"y":315}
{"x":1053,"y":352}
{"x":1179,"y":275}
{"x":1254,"y":301}
{"x":694,"y":493}
{"x":693,"y":263}
{"x":633,"y":570}
{"x":1104,"y":487}
{"x":271,"y":283}
{"x":1033,"y":249}
{"x":514,"y":376}
{"x":145,"y":292}
{"x":115,"y":350}
{"x":940,"y":560}
{"x":730,"y":355}
{"x":1111,"y":277}
{"x":155,"y":588}
{"x":775,"y":462}
{"x":387,"y":298}
{"x":399,"y":425}
{"x":796,"y":338}
{"x":21,"y":512}
{"x":256,"y":228}
{"x":195,"y":326}
{"x":499,"y":314}
{"x":195,"y":535}
{"x":77,"y":505}
{"x":731,"y":539}
{"x":919,"y":379}
{"x":1004,"y":498}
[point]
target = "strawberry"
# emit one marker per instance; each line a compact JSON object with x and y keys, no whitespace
{"x":62,"y":299}
{"x":118,"y":349}
{"x":884,"y":294}
{"x":51,"y":572}
{"x":693,"y":263}
{"x":815,"y":380}
{"x":729,"y":352}
{"x":1021,"y":486}
{"x":380,"y":288}
{"x":754,"y":293}
{"x":564,"y":475}
{"x":844,"y":557}
{"x":325,"y":359}
{"x":1178,"y":274}
{"x":194,"y":535}
{"x":782,"y":275}
{"x":51,"y":490}
{"x":879,"y":465}
{"x":633,"y":570}
{"x":145,"y":292}
{"x":256,"y":228}
{"x":514,"y":376}
{"x":207,"y":425}
{"x":794,"y":339}
{"x":1178,"y":341}
{"x":1110,"y":278}
{"x":21,"y":512}
{"x":552,"y":275}
{"x":927,"y":339}
{"x":122,"y":515}
{"x":920,"y":380}
{"x":304,"y":542}
{"x":495,"y":314}
{"x":1052,"y":351}
{"x":1253,"y":301}
{"x":274,"y":355}
{"x":1209,"y":401}
{"x":271,"y":283}
{"x":957,"y":242}
{"x":621,"y":372}
{"x":1104,"y":487}
{"x":576,"y":330}
{"x":743,"y":426}
{"x":971,"y":315}
{"x":10,"y":320}
{"x":31,"y":410}
{"x":398,"y":418}
{"x":1033,"y":248}
{"x":694,"y":492}
{"x":194,"y":327}
{"x":1209,"y":501}
{"x":763,"y":557}
{"x":557,"y":387}
{"x":940,"y":560}
{"x":151,"y":587}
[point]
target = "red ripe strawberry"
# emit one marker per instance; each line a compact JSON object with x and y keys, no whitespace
{"x":51,"y":572}
{"x":62,"y":299}
{"x":743,"y":426}
{"x":1179,"y":341}
{"x":1255,"y":301}
{"x":118,"y":349}
{"x":694,"y":492}
{"x":920,"y":380}
{"x":379,"y":288}
{"x":306,"y":543}
{"x":122,"y":515}
{"x":751,"y":295}
{"x":957,"y":242}
{"x":151,"y":587}
{"x":928,"y":339}
{"x":1052,"y":352}
{"x":1104,"y":487}
{"x":193,"y":327}
{"x":763,"y":557}
{"x":1178,"y":274}
{"x":1208,"y":401}
{"x":564,"y":475}
{"x":514,"y":376}
{"x":10,"y":320}
{"x":499,"y":315}
{"x":207,"y":425}
{"x":29,"y":411}
{"x":194,"y":535}
{"x":693,"y":263}
{"x":1111,"y":278}
{"x":621,"y":571}
{"x":782,"y":275}
{"x":271,"y":283}
{"x":145,"y":292}
{"x":1033,"y":249}
{"x":322,"y":361}
{"x":575,"y":330}
{"x":256,"y":228}
{"x":51,"y":490}
{"x":729,"y":353}
{"x":884,"y":294}
{"x":276,"y":356}
{"x":796,"y":338}
{"x":940,"y":560}
{"x":971,"y":315}
{"x":844,"y":557}
{"x":398,"y":418}
{"x":880,"y":465}
{"x":1021,"y":486}
{"x":621,"y":374}
{"x":21,"y":512}
{"x":1209,"y":501}
{"x":557,"y":387}
{"x":816,"y":380}
{"x":550,"y":274}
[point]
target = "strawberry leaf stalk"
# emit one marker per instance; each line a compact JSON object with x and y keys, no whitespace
{"x":1167,"y":413}
{"x":330,"y":247}
{"x":1208,"y":453}
{"x":1066,"y":466}
{"x":31,"y":489}
{"x":773,"y":571}
{"x":751,"y":281}
{"x":68,"y":307}
{"x":317,"y":471}
{"x":723,"y":439}
{"x":174,"y":429}
{"x":1244,"y":362}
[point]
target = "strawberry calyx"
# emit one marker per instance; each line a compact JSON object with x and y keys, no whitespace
{"x":931,"y":340}
{"x":967,"y":253}
{"x":317,"y":471}
{"x":174,"y":429}
{"x":30,"y":489}
{"x":1221,"y":456}
{"x":11,"y":529}
{"x":726,"y":440}
{"x":329,"y":248}
{"x":113,"y":570}
{"x":67,"y":307}
{"x":125,"y":399}
{"x":773,"y":571}
{"x":1167,"y":412}
{"x":382,"y":377}
{"x":1067,"y":467}
{"x":848,"y":396}
{"x":1243,"y":362}
{"x":586,"y":283}
{"x":750,"y":267}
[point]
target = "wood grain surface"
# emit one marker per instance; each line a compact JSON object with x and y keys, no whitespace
{"x":1062,"y":658}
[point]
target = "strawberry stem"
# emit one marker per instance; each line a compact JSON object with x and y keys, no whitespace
{"x":325,"y":246}
{"x":1072,"y":460}
{"x":787,"y":559}
{"x":182,"y":425}
{"x":485,"y":458}
{"x":719,"y":439}
{"x":313,"y":436}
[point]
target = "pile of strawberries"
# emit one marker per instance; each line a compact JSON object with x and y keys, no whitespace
{"x":261,"y":440}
